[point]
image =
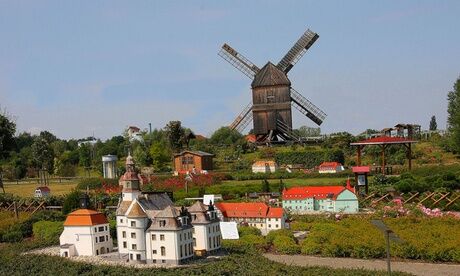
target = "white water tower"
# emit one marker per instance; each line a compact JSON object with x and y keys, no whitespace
{"x":109,"y":166}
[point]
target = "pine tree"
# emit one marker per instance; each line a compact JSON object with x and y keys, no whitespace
{"x":453,"y":119}
{"x":265,"y":186}
{"x":433,"y":124}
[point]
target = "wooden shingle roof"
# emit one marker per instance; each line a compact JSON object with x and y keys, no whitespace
{"x":270,"y":75}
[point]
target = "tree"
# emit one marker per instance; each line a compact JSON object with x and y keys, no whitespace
{"x":160,"y":156}
{"x":7,"y":130}
{"x":42,"y":155}
{"x":225,"y":136}
{"x":453,"y":119}
{"x":176,"y":135}
{"x":265,"y":186}
{"x":433,"y":124}
{"x":84,"y":154}
{"x":305,"y":131}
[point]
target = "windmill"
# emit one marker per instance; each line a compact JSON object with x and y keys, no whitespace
{"x":272,"y":94}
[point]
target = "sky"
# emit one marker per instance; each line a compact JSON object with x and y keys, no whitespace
{"x":78,"y":68}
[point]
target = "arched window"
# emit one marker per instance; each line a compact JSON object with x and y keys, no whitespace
{"x":163,"y":251}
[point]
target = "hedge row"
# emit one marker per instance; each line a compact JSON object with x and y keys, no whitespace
{"x":310,"y":159}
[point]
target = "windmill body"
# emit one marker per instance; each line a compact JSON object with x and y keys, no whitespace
{"x":272,"y":94}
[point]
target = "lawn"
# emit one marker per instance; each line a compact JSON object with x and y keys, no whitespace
{"x":27,"y":189}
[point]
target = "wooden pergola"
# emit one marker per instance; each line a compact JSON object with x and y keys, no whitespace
{"x":383,"y":142}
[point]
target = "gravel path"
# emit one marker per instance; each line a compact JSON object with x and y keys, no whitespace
{"x":415,"y":268}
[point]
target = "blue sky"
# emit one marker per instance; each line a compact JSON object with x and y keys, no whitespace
{"x":83,"y":67}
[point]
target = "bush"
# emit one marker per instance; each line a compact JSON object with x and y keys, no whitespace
{"x":286,"y":245}
{"x":246,"y":230}
{"x":48,"y":231}
{"x":94,"y":183}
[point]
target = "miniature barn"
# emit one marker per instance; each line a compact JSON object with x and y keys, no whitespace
{"x":193,"y":162}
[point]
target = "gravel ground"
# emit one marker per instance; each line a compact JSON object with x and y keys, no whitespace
{"x":415,"y":268}
{"x":113,"y":259}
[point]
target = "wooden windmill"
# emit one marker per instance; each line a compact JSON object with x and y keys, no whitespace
{"x":272,"y":94}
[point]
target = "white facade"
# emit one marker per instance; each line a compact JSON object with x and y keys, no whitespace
{"x":169,"y":247}
{"x":86,"y":240}
{"x":264,"y":167}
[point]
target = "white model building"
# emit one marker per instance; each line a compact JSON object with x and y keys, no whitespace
{"x":149,"y":228}
{"x":206,"y":228}
{"x":86,"y":233}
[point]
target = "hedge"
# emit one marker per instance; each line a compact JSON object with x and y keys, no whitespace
{"x":48,"y":231}
{"x":310,"y":159}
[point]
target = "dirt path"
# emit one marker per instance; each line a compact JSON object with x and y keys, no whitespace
{"x":415,"y":268}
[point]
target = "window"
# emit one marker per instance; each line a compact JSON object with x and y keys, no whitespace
{"x":163,"y":261}
{"x":269,"y":226}
{"x":162,"y":237}
{"x":180,"y":236}
{"x":123,"y":234}
{"x":121,"y":220}
{"x":107,"y":237}
{"x":130,"y":256}
{"x":101,"y":228}
{"x":154,"y":252}
{"x":209,"y":241}
{"x":95,"y":229}
{"x":133,"y":224}
{"x":138,"y":257}
{"x":124,"y":245}
{"x":133,"y":235}
{"x":97,"y":251}
{"x":187,"y":160}
{"x":163,"y":251}
{"x":181,"y":251}
{"x":105,"y":228}
{"x":154,"y":261}
{"x":102,"y":239}
{"x":162,"y":223}
{"x":134,"y":246}
{"x":154,"y":237}
{"x":194,"y":242}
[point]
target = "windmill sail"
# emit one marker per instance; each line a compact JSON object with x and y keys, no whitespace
{"x":307,"y":108}
{"x":297,"y":51}
{"x":239,"y":61}
{"x":243,"y":119}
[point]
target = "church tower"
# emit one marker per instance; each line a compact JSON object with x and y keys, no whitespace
{"x":130,"y":181}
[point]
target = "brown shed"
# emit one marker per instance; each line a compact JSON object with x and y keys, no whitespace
{"x":189,"y":161}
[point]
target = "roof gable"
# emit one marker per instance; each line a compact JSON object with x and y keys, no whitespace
{"x":270,"y":75}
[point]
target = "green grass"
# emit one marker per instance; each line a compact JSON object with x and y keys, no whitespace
{"x":27,"y":189}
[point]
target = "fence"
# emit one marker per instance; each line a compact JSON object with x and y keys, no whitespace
{"x":441,"y":200}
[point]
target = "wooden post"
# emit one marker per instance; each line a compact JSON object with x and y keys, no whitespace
{"x":409,"y":153}
{"x":383,"y":159}
{"x":359,"y":155}
{"x":15,"y":208}
{"x":387,"y":240}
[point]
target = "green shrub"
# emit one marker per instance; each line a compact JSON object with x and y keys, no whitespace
{"x":270,"y":237}
{"x":286,"y":245}
{"x":247,"y":230}
{"x":48,"y":231}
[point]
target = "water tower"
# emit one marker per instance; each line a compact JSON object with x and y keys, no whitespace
{"x":109,"y":166}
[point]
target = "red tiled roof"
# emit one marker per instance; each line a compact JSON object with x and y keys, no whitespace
{"x":318,"y":192}
{"x":85,"y":217}
{"x":329,"y":165}
{"x":248,"y":210}
{"x":361,"y":169}
{"x":384,"y":140}
{"x":251,"y":138}
{"x":43,"y":189}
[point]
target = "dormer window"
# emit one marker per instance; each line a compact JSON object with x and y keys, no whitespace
{"x":162,"y":223}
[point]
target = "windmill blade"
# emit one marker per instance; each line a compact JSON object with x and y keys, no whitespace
{"x":243,"y":119}
{"x":307,"y":108}
{"x":239,"y":61}
{"x":297,"y":51}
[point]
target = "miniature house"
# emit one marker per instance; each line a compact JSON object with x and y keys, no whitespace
{"x":312,"y":199}
{"x":42,"y":191}
{"x":264,"y":166}
{"x":86,"y":233}
{"x":330,"y":167}
{"x":193,"y":162}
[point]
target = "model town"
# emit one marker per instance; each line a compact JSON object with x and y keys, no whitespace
{"x":258,"y":196}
